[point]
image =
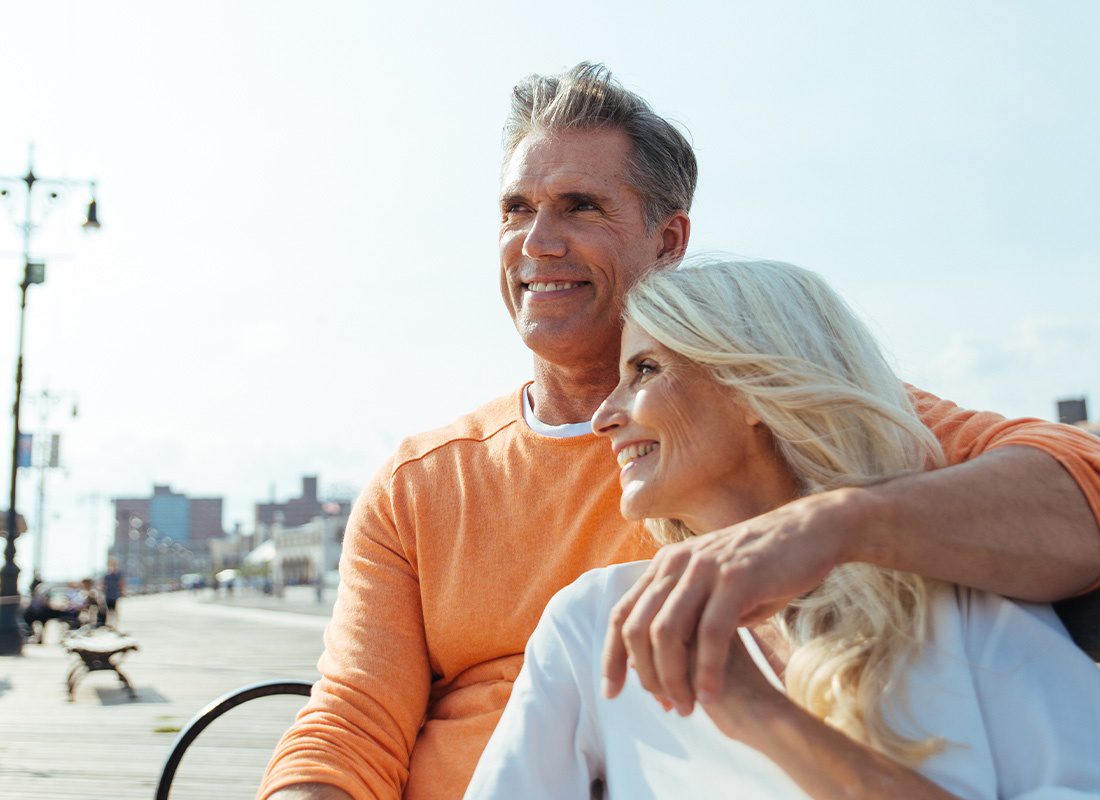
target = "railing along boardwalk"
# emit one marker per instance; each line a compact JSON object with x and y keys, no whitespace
{"x":104,"y":745}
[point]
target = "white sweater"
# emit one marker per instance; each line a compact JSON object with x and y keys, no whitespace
{"x":1001,"y":681}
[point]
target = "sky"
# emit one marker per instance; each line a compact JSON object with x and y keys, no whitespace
{"x":298,"y":266}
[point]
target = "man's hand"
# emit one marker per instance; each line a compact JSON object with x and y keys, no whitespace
{"x":696,"y":593}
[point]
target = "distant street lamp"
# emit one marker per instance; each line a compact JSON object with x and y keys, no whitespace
{"x":11,"y":636}
{"x":133,"y":537}
{"x":163,"y":549}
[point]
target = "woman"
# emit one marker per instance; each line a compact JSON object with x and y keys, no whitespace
{"x":743,"y":386}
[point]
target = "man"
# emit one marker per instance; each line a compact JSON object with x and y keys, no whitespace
{"x":114,"y":586}
{"x":455,"y":547}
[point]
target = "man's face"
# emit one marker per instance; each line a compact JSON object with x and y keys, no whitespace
{"x":573,"y":239}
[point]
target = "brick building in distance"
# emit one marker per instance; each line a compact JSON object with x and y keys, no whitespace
{"x":301,"y":537}
{"x":293,"y":512}
{"x":1075,"y":411}
{"x":190,"y":522}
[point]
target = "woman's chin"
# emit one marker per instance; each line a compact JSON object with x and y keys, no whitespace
{"x":634,"y":505}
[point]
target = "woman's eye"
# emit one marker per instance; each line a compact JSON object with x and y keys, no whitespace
{"x":646,"y":367}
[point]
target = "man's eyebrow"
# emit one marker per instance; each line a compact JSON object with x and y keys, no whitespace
{"x":515,"y":198}
{"x":584,"y":197}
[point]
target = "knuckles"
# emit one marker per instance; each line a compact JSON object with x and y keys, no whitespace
{"x":635,"y":634}
{"x":732,"y":572}
{"x":674,"y":558}
{"x":620,"y":614}
{"x":665,"y":632}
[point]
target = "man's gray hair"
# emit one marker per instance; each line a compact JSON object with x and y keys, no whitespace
{"x":587,"y":97}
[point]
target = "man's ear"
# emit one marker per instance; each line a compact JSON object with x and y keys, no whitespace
{"x":675,"y":233}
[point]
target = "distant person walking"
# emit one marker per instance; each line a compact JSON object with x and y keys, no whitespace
{"x":114,"y":585}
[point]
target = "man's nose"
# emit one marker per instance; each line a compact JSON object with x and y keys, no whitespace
{"x":545,"y":238}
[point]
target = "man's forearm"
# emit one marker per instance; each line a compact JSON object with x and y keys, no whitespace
{"x":311,"y":791}
{"x":1011,"y":521}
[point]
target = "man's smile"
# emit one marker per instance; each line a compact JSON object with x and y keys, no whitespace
{"x":544,"y":291}
{"x":551,"y":286}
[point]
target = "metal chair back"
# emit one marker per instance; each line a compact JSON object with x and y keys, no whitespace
{"x":1081,"y":616}
{"x":202,"y":720}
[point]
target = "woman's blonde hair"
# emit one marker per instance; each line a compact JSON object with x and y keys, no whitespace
{"x":811,"y":372}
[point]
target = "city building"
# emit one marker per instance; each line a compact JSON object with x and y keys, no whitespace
{"x":1075,"y":411}
{"x":300,"y":539}
{"x":290,"y":513}
{"x":307,"y":553}
{"x":164,"y":526}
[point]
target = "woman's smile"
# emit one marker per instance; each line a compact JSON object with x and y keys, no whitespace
{"x":634,"y":452}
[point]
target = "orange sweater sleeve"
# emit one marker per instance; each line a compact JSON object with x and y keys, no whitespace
{"x":358,"y":729}
{"x":966,"y":434}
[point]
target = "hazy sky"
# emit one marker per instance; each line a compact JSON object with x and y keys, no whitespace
{"x":298,"y":265}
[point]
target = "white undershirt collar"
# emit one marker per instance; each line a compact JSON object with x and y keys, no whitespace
{"x":566,"y":431}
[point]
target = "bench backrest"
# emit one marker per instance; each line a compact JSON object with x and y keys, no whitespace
{"x":1081,"y":616}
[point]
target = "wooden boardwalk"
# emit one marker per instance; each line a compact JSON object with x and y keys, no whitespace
{"x":105,"y":745}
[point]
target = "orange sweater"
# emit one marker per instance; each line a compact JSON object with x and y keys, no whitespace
{"x":451,"y":554}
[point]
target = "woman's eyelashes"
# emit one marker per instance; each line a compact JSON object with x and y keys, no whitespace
{"x":637,"y":370}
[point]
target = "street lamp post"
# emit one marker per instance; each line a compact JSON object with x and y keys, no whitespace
{"x":11,"y":636}
{"x":135,"y":536}
{"x":163,"y":551}
{"x":151,"y":542}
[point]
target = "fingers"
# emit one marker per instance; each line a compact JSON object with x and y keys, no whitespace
{"x":615,"y":654}
{"x":636,"y":632}
{"x":717,"y":629}
{"x":728,"y":711}
{"x":655,"y":626}
{"x":672,"y":633}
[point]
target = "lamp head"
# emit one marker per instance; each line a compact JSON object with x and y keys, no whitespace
{"x":92,"y":220}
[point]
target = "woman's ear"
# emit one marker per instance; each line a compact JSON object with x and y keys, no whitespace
{"x":742,"y":409}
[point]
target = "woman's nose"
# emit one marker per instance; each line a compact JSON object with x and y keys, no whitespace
{"x":610,"y":415}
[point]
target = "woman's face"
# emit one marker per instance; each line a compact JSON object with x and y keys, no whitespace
{"x":688,"y":448}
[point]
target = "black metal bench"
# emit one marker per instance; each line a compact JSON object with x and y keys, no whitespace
{"x":1081,"y":616}
{"x":99,"y":649}
{"x":202,"y":720}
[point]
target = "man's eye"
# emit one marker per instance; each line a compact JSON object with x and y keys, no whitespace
{"x":585,"y":206}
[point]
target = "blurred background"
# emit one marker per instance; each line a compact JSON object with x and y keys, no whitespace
{"x":297,"y":259}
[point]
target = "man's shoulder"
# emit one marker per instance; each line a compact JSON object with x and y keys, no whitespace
{"x":480,"y":425}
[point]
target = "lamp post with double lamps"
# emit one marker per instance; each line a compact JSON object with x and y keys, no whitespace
{"x":49,"y":190}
